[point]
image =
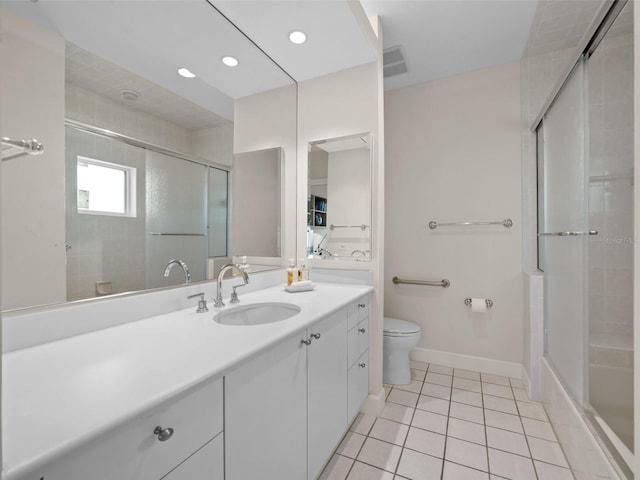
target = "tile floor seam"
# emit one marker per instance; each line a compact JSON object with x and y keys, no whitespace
{"x":358,"y":454}
{"x":535,"y":470}
{"x":437,"y":405}
{"x":444,"y":449}
{"x":395,"y":472}
{"x":486,"y":436}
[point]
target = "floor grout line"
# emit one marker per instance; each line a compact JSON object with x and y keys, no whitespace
{"x":413,"y":409}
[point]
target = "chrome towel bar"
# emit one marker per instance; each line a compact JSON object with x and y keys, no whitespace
{"x":17,"y":148}
{"x":567,"y":234}
{"x":507,"y":223}
{"x":177,"y":234}
{"x":444,"y":283}
{"x":362,"y":227}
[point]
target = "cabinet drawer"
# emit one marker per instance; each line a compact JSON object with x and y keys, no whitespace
{"x":358,"y":341}
{"x":358,"y":385}
{"x":207,"y":463}
{"x":133,"y":452}
{"x":363,"y":308}
{"x":357,"y":311}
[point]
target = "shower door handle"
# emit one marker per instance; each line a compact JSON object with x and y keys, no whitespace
{"x":567,"y":234}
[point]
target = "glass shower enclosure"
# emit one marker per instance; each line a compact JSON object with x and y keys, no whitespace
{"x":585,"y":154}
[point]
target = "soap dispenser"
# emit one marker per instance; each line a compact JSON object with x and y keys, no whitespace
{"x":303,"y":273}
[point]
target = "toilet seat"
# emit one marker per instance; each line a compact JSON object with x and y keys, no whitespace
{"x":394,"y":327}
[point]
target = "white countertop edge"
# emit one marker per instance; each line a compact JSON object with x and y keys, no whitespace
{"x":34,"y":460}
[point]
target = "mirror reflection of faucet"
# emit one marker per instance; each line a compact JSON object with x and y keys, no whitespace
{"x":185,"y":269}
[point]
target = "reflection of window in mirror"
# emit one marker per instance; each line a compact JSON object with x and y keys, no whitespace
{"x":105,"y":188}
{"x":339,"y":187}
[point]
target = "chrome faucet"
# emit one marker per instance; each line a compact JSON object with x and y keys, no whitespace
{"x":185,"y":269}
{"x":217,"y":303}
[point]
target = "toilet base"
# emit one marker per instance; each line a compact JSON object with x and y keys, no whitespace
{"x":396,"y":370}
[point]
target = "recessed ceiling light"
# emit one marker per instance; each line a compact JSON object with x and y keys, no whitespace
{"x":230,"y":61}
{"x":297,"y":37}
{"x":186,"y":73}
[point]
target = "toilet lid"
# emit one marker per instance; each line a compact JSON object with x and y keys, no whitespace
{"x":395,"y":326}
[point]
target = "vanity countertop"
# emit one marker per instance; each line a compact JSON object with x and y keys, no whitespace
{"x":62,"y":394}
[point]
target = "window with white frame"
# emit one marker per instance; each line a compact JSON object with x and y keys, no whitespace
{"x":106,"y":188}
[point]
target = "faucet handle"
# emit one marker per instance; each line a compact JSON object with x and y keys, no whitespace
{"x":202,"y":304}
{"x":234,"y":294}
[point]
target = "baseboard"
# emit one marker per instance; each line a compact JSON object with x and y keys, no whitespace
{"x":526,"y":381}
{"x":374,"y":403}
{"x":583,"y":450}
{"x":468,"y":362}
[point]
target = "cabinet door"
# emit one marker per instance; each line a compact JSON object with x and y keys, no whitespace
{"x":266,"y":415}
{"x":327,"y":389}
{"x":358,"y":384}
{"x":206,"y":464}
{"x":134,"y":451}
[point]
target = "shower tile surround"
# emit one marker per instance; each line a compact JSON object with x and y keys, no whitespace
{"x":105,"y":248}
{"x":486,"y":428}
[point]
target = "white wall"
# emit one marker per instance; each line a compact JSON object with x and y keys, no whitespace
{"x":346,"y":103}
{"x":454,"y":150}
{"x":33,"y":218}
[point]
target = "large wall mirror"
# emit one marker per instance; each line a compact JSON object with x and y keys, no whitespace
{"x":339,"y":199}
{"x":138,"y":159}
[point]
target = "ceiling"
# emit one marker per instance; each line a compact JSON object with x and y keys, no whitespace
{"x":447,"y":37}
{"x":438,"y":38}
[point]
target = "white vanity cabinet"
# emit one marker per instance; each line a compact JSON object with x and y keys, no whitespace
{"x":327,"y":390}
{"x":206,"y":464}
{"x":137,"y":450}
{"x":287,"y":409}
{"x":266,"y":415}
{"x":358,"y":355}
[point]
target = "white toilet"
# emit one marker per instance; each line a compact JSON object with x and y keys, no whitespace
{"x":399,"y":338}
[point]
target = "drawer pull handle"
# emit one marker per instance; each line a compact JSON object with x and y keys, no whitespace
{"x":362,"y":365}
{"x":361,"y":330}
{"x":315,"y":335}
{"x":361,"y":305}
{"x":306,"y":341}
{"x":163,"y":434}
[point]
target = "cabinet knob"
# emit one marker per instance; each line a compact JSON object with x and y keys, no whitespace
{"x":361,"y":330}
{"x":362,"y":365}
{"x":163,"y":434}
{"x":306,"y":341}
{"x":315,"y":335}
{"x":361,"y":305}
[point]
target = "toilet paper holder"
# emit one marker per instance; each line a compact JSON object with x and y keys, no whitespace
{"x":467,"y":302}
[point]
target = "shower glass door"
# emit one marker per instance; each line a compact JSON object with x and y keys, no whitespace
{"x":564,"y":234}
{"x":610,"y":78}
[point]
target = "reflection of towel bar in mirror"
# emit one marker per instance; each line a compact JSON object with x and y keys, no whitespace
{"x":362,"y":227}
{"x":179,"y":234}
{"x":507,"y":223}
{"x":17,"y":148}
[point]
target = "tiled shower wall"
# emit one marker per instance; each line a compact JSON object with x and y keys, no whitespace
{"x":102,"y":248}
{"x":112,"y":249}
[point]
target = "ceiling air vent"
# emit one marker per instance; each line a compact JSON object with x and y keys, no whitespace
{"x":393,"y":61}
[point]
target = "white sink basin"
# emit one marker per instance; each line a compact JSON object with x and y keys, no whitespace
{"x":257,"y":314}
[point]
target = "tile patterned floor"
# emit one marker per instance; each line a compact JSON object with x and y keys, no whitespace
{"x":451,"y":425}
